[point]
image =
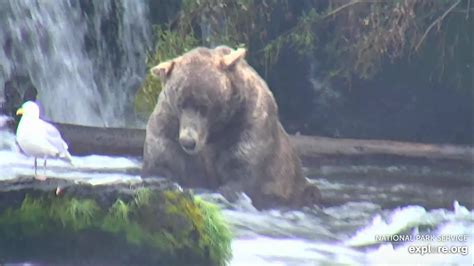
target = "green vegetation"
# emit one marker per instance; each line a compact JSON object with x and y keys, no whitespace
{"x":217,"y":234}
{"x":352,"y":40}
{"x":169,"y":223}
{"x":169,"y":44}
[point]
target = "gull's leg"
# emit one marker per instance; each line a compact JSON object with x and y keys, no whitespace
{"x":43,"y":177}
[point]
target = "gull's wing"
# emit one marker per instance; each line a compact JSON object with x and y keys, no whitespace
{"x":53,"y":136}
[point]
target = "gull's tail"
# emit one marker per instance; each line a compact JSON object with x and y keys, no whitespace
{"x":67,"y":157}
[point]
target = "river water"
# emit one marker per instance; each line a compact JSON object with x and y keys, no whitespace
{"x":354,"y":231}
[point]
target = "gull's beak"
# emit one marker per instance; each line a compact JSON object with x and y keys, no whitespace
{"x":19,"y":111}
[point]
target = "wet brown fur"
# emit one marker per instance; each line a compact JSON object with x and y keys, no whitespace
{"x":245,"y":148}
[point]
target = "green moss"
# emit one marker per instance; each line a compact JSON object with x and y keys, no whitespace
{"x":32,"y":216}
{"x":74,"y":213}
{"x":36,"y":214}
{"x":217,"y":235}
{"x":117,"y":217}
{"x":142,"y":197}
{"x":169,"y":222}
{"x":207,"y":221}
{"x":119,"y":211}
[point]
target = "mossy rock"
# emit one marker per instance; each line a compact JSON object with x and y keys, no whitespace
{"x":110,"y":224}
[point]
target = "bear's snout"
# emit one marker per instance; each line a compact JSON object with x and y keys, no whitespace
{"x":188,"y":144}
{"x":188,"y":141}
{"x":192,"y":131}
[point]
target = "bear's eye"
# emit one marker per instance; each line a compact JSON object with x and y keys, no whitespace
{"x":199,"y":106}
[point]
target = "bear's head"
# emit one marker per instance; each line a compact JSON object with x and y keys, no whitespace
{"x":199,"y":90}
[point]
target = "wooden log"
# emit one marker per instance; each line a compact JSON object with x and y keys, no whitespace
{"x":92,"y":140}
{"x":313,"y":147}
{"x":84,"y":140}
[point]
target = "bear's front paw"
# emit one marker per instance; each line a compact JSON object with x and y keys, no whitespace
{"x":311,"y":196}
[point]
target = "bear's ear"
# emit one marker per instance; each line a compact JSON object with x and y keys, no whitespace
{"x":163,"y":70}
{"x":231,"y":59}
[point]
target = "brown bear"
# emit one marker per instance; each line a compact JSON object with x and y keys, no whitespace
{"x":216,"y":126}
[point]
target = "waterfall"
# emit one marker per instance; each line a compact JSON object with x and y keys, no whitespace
{"x":85,"y":58}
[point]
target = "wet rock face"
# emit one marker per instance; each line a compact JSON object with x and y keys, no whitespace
{"x":216,"y":125}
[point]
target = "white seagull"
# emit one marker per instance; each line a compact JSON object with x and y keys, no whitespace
{"x":38,"y":138}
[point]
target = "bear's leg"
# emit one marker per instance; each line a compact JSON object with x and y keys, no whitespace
{"x":165,"y":158}
{"x":239,"y":172}
{"x":162,"y":158}
{"x":234,"y":178}
{"x":162,"y":154}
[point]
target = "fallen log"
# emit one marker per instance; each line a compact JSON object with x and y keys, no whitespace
{"x":85,"y":140}
{"x":314,"y":147}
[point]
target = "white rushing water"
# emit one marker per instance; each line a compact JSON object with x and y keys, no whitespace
{"x":85,"y":58}
{"x":352,"y":233}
